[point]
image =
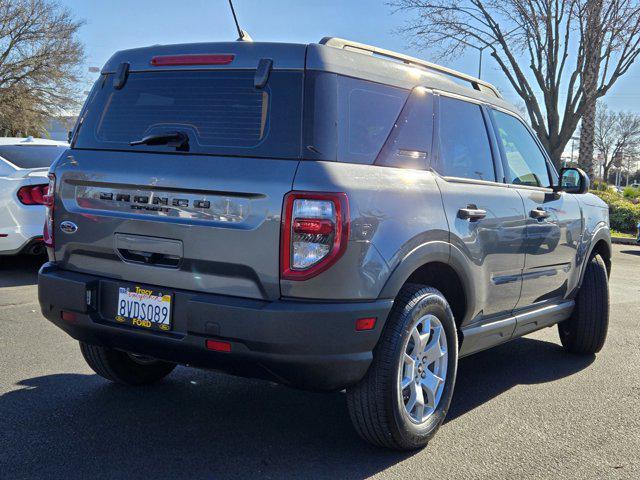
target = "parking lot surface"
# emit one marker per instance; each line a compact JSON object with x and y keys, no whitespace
{"x":522,"y":410}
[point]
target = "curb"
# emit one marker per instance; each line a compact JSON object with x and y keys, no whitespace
{"x":624,"y":241}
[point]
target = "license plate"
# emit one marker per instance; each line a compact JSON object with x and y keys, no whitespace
{"x":144,"y":308}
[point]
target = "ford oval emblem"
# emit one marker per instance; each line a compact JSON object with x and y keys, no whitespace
{"x":68,"y":227}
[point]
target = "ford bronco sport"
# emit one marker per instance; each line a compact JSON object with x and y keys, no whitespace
{"x":328,"y":216}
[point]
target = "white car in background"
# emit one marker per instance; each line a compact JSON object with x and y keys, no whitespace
{"x":24,"y":163}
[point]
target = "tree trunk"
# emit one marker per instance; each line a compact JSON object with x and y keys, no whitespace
{"x":605,"y":173}
{"x":591,"y":72}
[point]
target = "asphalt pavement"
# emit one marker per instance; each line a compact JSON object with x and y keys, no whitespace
{"x":523,"y":410}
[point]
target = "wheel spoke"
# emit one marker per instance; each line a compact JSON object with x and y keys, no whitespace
{"x":411,"y":403}
{"x":430,"y":384}
{"x":408,"y":371}
{"x":433,"y":351}
{"x":419,"y":403}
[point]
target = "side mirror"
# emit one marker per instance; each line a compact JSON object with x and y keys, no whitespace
{"x":573,"y":180}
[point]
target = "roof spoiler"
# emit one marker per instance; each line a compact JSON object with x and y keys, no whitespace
{"x":476,"y":83}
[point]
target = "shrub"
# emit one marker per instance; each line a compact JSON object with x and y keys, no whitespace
{"x":600,"y":186}
{"x":624,"y":215}
{"x":630,"y":192}
{"x":609,"y":196}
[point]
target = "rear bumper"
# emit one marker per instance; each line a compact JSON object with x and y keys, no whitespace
{"x":309,"y":345}
{"x":19,"y":227}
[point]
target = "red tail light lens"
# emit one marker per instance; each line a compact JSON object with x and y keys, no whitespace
{"x":185,"y":60}
{"x":33,"y":194}
{"x":218,"y":346}
{"x":49,"y":202}
{"x":315,"y":232}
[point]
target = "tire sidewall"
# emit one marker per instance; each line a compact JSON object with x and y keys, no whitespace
{"x":435,"y":304}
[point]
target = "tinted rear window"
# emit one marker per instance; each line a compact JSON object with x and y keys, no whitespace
{"x":31,"y":156}
{"x":221,"y":112}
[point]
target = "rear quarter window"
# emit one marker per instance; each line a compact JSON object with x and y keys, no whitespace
{"x":348,"y":119}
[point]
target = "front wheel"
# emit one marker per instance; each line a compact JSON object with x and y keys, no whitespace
{"x":405,"y":396}
{"x":125,"y":368}
{"x":586,"y":330}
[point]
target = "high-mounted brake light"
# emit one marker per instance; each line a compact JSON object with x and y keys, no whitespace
{"x":197,"y":59}
{"x":32,"y":194}
{"x":315,"y":232}
{"x":49,"y":202}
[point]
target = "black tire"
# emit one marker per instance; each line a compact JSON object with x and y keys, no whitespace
{"x":585,"y":331}
{"x":121,"y":367}
{"x":375,"y":402}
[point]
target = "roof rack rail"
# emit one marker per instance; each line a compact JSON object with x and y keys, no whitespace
{"x":341,"y":43}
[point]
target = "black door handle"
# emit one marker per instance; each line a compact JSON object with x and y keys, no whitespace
{"x":472,"y":213}
{"x":539,"y":213}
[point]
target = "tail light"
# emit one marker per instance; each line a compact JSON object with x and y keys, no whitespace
{"x":49,"y":202}
{"x":32,"y":194}
{"x":315,"y":232}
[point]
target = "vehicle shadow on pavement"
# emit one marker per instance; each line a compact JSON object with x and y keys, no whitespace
{"x":19,"y":270}
{"x":524,"y":361}
{"x":631,"y":252}
{"x":205,"y":425}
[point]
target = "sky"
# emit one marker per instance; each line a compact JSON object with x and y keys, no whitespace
{"x":119,"y":24}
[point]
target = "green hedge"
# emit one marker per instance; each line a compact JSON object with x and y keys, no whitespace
{"x":624,"y":215}
{"x":630,"y":192}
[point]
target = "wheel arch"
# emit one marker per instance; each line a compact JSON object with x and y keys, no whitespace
{"x":600,"y":245}
{"x":439,"y":265}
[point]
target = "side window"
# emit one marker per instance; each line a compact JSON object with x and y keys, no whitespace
{"x":409,"y":144}
{"x":464,"y":144}
{"x":526,"y":164}
{"x":367,"y":112}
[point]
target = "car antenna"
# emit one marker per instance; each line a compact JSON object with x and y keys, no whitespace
{"x":242,"y":35}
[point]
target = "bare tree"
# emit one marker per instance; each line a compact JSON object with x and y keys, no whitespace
{"x":629,"y":163}
{"x":551,"y":54}
{"x":617,"y":136}
{"x":39,"y":64}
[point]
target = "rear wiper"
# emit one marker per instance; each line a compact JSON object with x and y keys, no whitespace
{"x":179,"y":140}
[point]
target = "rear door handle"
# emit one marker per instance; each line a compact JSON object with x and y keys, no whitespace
{"x":472,"y":213}
{"x":539,"y":213}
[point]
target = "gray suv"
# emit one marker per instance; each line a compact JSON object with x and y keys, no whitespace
{"x":328,"y":216}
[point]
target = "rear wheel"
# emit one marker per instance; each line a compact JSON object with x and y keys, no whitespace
{"x":586,"y":330}
{"x":405,"y":396}
{"x":125,"y":368}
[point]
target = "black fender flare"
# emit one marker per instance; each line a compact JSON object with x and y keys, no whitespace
{"x":602,"y":232}
{"x":432,"y":252}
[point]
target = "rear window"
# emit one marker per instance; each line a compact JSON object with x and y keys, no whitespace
{"x":221,"y":112}
{"x":31,"y":156}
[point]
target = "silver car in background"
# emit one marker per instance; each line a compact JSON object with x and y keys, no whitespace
{"x":24,"y":163}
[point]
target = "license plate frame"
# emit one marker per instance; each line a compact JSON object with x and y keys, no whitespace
{"x":144,"y":308}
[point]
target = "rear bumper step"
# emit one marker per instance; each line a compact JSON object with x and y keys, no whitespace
{"x":311,"y":345}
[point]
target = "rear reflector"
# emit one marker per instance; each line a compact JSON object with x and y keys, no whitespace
{"x":218,"y":346}
{"x":177,"y":60}
{"x":365,"y":324}
{"x":68,"y":316}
